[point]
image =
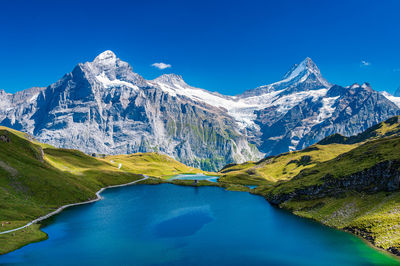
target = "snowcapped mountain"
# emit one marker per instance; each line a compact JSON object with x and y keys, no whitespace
{"x":302,"y":81}
{"x":393,"y":98}
{"x":301,"y":77}
{"x":335,"y":110}
{"x":104,"y":107}
{"x":295,"y":112}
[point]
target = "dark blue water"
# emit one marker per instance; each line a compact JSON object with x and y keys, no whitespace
{"x":178,"y":225}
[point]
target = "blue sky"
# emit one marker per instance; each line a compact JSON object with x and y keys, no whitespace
{"x":225,"y":46}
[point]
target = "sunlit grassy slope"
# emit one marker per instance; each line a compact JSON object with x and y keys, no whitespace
{"x":153,"y":164}
{"x":284,"y":166}
{"x":363,"y":157}
{"x":388,"y":128}
{"x":376,"y":217}
{"x":36,"y":179}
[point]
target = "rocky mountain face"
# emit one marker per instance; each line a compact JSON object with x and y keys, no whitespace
{"x":104,"y":107}
{"x":16,"y":109}
{"x":338,"y":110}
{"x":308,"y":109}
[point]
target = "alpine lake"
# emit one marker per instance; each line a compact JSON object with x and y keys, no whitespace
{"x":183,"y":225}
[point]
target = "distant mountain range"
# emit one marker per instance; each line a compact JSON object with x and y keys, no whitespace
{"x":104,"y":107}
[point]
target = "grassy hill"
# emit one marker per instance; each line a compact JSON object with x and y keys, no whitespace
{"x":36,"y":179}
{"x":366,"y":156}
{"x":282,"y":167}
{"x":288,"y":165}
{"x":388,"y":128}
{"x":153,"y":164}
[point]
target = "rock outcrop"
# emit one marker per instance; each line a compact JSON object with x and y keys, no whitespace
{"x":384,"y":176}
{"x":4,"y":138}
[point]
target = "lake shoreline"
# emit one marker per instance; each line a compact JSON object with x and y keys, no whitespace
{"x":60,"y":209}
{"x":365,"y":240}
{"x":131,"y":225}
{"x":224,"y":185}
{"x":189,"y":183}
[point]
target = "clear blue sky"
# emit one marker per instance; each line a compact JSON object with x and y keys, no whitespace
{"x":228,"y":46}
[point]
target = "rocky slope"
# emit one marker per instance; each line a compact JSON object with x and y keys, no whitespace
{"x":104,"y":107}
{"x":347,"y":111}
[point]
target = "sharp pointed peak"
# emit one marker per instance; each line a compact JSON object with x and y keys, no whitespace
{"x":307,"y":65}
{"x":307,"y":60}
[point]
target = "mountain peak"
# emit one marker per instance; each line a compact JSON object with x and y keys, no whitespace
{"x":366,"y":85}
{"x":306,"y":65}
{"x":106,"y":58}
{"x":108,"y":54}
{"x":309,"y":63}
{"x":170,"y":79}
{"x":109,"y":70}
{"x":302,"y":76}
{"x":307,"y":71}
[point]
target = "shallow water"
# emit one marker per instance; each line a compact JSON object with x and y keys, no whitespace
{"x":178,"y":225}
{"x":195,"y":177}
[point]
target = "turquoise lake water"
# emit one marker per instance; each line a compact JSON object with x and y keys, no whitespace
{"x":179,"y":225}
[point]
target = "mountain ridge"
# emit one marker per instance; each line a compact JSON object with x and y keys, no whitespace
{"x":103,"y":106}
